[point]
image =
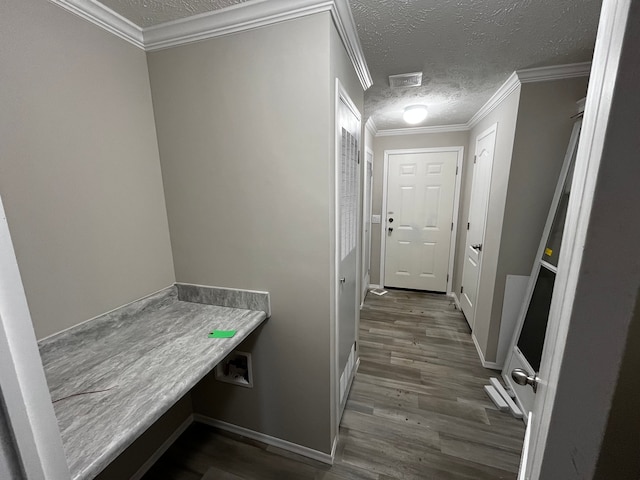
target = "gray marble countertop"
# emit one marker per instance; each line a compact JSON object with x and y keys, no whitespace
{"x":145,"y":356}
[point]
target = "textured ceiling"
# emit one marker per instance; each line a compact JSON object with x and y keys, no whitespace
{"x":145,"y":13}
{"x":465,"y":48}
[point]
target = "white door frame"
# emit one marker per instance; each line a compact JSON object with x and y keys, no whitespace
{"x":590,"y":297}
{"x":342,"y":96}
{"x":456,"y":205}
{"x":367,"y":191}
{"x":24,"y":387}
{"x":493,"y":128}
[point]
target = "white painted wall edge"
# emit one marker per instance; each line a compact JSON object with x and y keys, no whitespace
{"x":269,"y":440}
{"x":455,"y":300}
{"x":234,"y":19}
{"x":485,"y":364}
{"x":146,"y":466}
{"x":24,"y":387}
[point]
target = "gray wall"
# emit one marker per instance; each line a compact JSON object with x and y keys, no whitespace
{"x":543,"y":130}
{"x":427,"y":140}
{"x":246,"y":136}
{"x":79,"y":168}
{"x":10,"y":467}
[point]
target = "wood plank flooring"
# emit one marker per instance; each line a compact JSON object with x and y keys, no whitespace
{"x":417,"y":410}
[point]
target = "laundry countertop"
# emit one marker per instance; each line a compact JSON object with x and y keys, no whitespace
{"x":111,"y":378}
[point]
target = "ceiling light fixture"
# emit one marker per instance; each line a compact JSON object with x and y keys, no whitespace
{"x":414,"y":114}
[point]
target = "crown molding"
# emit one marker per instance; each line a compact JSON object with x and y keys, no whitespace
{"x":239,"y":18}
{"x":105,"y":18}
{"x":508,"y":87}
{"x":556,"y":72}
{"x":371,"y":126}
{"x":234,"y":19}
{"x":530,"y":75}
{"x":392,"y":132}
{"x":346,"y":26}
{"x":515,"y":80}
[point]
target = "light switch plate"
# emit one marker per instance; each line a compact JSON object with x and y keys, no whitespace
{"x":375,"y":218}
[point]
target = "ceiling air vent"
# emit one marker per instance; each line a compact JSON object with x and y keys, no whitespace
{"x":406,"y":80}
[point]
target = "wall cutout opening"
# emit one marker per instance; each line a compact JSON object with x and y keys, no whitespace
{"x":236,"y":369}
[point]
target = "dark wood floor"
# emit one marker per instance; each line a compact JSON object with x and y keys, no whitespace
{"x":417,"y":410}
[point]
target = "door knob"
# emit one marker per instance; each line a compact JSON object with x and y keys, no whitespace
{"x":477,"y":247}
{"x":390,"y":230}
{"x":523,"y":378}
{"x":343,"y":280}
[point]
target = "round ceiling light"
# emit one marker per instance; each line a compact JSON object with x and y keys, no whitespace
{"x":414,"y":114}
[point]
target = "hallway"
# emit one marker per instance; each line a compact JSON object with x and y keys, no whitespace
{"x":417,"y":410}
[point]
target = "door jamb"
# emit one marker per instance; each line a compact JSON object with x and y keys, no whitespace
{"x":456,"y":205}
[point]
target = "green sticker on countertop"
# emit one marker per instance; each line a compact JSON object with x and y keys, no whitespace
{"x":222,"y":334}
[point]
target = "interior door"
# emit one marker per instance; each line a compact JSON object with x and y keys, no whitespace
{"x":525,"y":354}
{"x":480,"y":188}
{"x":366,"y":222}
{"x":347,"y":236}
{"x":420,"y":199}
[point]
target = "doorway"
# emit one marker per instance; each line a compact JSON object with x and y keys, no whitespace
{"x":420,"y":202}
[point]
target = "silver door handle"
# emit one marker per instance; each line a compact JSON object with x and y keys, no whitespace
{"x":390,"y":230}
{"x":343,"y":280}
{"x":523,"y":378}
{"x":477,"y":247}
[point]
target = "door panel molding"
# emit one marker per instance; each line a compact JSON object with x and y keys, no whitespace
{"x":456,"y":204}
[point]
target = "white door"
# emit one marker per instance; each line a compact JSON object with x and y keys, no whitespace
{"x":480,"y":188}
{"x":366,"y":222}
{"x":594,"y":300}
{"x":419,"y":219}
{"x":347,"y":237}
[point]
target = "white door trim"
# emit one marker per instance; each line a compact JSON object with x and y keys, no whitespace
{"x":456,"y":204}
{"x":24,"y":387}
{"x":493,"y":128}
{"x":366,"y":276}
{"x":341,"y":95}
{"x":601,"y":368}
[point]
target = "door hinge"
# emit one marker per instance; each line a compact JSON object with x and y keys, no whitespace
{"x":452,"y":226}
{"x":467,"y":225}
{"x":358,"y":157}
{"x":461,"y":289}
{"x":456,"y":170}
{"x":475,"y":158}
{"x":447,"y":277}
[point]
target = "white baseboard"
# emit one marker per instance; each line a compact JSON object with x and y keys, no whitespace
{"x":485,"y":364}
{"x":455,"y":300}
{"x":269,"y":440}
{"x":146,"y":466}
